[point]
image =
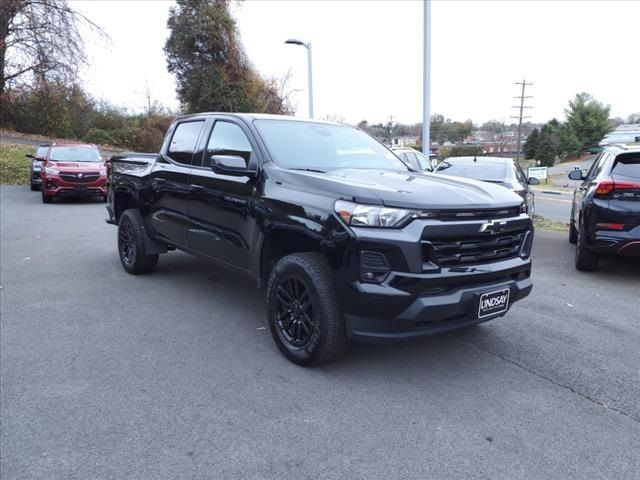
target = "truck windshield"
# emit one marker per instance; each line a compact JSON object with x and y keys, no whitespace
{"x":74,"y":154}
{"x":322,"y":147}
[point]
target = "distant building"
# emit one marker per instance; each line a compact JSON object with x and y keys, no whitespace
{"x":405,"y":141}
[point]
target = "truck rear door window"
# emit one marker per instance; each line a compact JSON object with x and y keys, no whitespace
{"x":184,"y":141}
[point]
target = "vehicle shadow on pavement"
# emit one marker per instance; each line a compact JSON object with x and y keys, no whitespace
{"x":78,"y":200}
{"x":223,"y":289}
{"x":618,"y":266}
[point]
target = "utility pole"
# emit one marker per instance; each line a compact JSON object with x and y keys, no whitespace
{"x":520,"y":117}
{"x":390,"y":130}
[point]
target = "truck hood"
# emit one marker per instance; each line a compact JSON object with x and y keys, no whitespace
{"x":400,"y":189}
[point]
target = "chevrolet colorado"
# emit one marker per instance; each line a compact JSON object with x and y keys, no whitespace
{"x":348,"y":242}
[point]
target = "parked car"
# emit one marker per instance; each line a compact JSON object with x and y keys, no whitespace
{"x":415,"y":159}
{"x":349,"y":243}
{"x":502,"y":171}
{"x":630,"y":136}
{"x":37,"y":159}
{"x":605,"y":217}
{"x":71,"y":170}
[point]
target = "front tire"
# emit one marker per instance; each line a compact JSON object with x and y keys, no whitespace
{"x":131,"y":247}
{"x":586,"y":260}
{"x":302,"y":310}
{"x":46,"y":198}
{"x":35,"y":187}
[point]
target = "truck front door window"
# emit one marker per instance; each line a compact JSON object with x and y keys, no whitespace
{"x":228,"y":139}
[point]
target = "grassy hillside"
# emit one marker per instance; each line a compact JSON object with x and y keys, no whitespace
{"x":14,"y":166}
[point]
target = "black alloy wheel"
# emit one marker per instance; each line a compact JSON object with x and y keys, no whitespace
{"x":294,"y":312}
{"x":127,"y":243}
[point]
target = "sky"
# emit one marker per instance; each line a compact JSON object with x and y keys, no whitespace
{"x":368,"y":55}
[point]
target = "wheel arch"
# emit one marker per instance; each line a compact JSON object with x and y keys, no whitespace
{"x":281,"y":241}
{"x":123,"y":199}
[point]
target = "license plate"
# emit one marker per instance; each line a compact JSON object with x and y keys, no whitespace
{"x":491,"y":303}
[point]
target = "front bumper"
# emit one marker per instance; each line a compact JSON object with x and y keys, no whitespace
{"x":54,"y":185}
{"x":421,"y":297}
{"x":35,"y":177}
{"x":424,"y":305}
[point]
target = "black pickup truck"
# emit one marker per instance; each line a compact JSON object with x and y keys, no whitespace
{"x":349,"y":242}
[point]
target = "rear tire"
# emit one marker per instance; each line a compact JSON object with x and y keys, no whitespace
{"x":131,"y":247}
{"x":586,"y":260}
{"x":302,"y":310}
{"x":573,"y":233}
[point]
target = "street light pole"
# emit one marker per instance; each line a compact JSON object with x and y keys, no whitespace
{"x":426,"y":79}
{"x":293,"y":41}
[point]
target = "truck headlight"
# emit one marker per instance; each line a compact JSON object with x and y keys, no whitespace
{"x":358,"y":215}
{"x":51,"y":171}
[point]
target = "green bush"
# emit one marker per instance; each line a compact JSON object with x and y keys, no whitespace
{"x":460,"y":151}
{"x":99,"y":137}
{"x":14,"y":166}
{"x":149,"y":139}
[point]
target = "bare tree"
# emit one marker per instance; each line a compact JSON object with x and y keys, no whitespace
{"x":40,"y":41}
{"x":634,"y":118}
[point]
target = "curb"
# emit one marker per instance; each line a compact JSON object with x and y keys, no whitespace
{"x":552,"y":192}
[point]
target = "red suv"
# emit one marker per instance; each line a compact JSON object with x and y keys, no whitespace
{"x":73,"y":171}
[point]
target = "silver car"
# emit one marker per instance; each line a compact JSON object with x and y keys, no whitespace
{"x":415,"y":159}
{"x":503,"y":171}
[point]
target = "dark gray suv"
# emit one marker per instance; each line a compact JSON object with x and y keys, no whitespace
{"x":37,"y":159}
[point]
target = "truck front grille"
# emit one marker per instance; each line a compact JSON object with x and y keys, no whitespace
{"x":451,"y":252}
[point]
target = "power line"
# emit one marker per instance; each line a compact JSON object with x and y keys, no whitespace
{"x":522,"y":106}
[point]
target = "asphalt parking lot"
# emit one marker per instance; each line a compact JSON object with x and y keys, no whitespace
{"x":554,"y":206}
{"x":173,"y":375}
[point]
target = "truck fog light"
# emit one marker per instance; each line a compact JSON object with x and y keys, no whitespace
{"x":373,"y":267}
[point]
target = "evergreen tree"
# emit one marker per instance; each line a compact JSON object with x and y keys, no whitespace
{"x":548,"y":145}
{"x":587,"y":121}
{"x":531,"y":144}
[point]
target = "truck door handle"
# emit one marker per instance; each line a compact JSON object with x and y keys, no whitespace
{"x":195,"y":187}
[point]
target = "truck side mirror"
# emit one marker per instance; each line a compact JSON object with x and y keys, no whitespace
{"x":533,"y":181}
{"x":229,"y":165}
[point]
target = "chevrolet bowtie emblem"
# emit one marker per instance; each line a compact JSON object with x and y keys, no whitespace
{"x":493,"y":226}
